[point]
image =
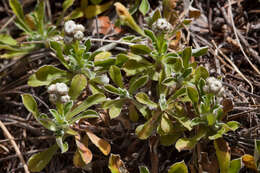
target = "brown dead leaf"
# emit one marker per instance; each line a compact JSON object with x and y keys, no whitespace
{"x":103,"y":145}
{"x":249,"y":162}
{"x":174,"y":44}
{"x":82,"y":151}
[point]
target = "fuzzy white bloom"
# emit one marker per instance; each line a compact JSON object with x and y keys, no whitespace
{"x":78,"y":35}
{"x":69,"y":27}
{"x":52,"y":89}
{"x":62,"y":89}
{"x":79,"y":27}
{"x":214,"y":86}
{"x":67,"y":39}
{"x":162,"y":25}
{"x":53,"y":98}
{"x":65,"y":99}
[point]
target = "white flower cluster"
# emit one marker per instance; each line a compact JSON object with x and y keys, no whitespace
{"x":73,"y":31}
{"x":58,"y":92}
{"x":161,"y":26}
{"x":213,"y":86}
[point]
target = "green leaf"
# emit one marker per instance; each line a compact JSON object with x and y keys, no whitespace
{"x":40,"y":12}
{"x":145,"y":130}
{"x":223,"y":154}
{"x":66,"y":4}
{"x":78,"y":83}
{"x":133,"y":114}
{"x":77,"y":13}
{"x":46,"y":122}
{"x":115,"y":110}
{"x":179,"y":167}
{"x":168,"y":140}
{"x":229,"y":126}
{"x":233,"y":125}
{"x":235,"y":166}
{"x":156,"y":15}
{"x":7,"y":39}
{"x":199,"y":51}
{"x":96,"y":1}
{"x":56,"y":46}
{"x":177,"y":93}
{"x":193,"y":95}
{"x":100,"y":79}
{"x":86,"y":114}
{"x":116,"y":165}
{"x":45,"y":75}
{"x":104,"y":59}
{"x":112,"y":89}
{"x":39,"y":161}
{"x":151,"y":35}
{"x":116,"y":76}
{"x":110,"y":103}
{"x":94,"y":10}
{"x":138,"y":83}
{"x":143,"y":169}
{"x":140,"y":49}
{"x":186,"y":55}
{"x":18,"y":11}
{"x":144,"y":7}
{"x":30,"y":104}
{"x":121,"y":59}
{"x":201,"y":72}
{"x":165,"y":124}
{"x":257,"y":150}
{"x":90,"y":101}
{"x":189,"y":143}
{"x":56,"y":116}
{"x":132,"y":67}
{"x":169,"y":81}
{"x":63,"y":146}
{"x":144,"y":99}
{"x":211,"y":118}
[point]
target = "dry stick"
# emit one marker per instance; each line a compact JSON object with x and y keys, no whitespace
{"x":234,"y":66}
{"x":7,"y":23}
{"x":18,"y":152}
{"x":48,"y":9}
{"x":238,"y":41}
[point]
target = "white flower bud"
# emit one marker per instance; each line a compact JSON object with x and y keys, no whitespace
{"x":80,"y":27}
{"x":162,"y":25}
{"x":53,"y":98}
{"x":214,"y":86}
{"x":67,"y":39}
{"x":69,"y":27}
{"x":52,"y":89}
{"x":64,"y":99}
{"x":62,"y":89}
{"x":78,"y":35}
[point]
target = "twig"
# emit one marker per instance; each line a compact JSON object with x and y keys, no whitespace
{"x":7,"y":23}
{"x":48,"y":9}
{"x":234,"y":66}
{"x":17,"y":150}
{"x":238,"y":41}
